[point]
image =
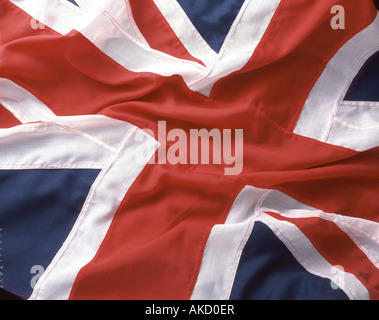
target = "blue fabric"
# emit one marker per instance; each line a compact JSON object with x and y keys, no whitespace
{"x":212,"y":18}
{"x":365,"y":86}
{"x":73,"y":1}
{"x":37,"y":211}
{"x":268,"y":271}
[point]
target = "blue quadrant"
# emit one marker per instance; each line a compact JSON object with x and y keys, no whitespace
{"x":73,"y":1}
{"x":268,"y":271}
{"x":365,"y":86}
{"x":38,"y":208}
{"x":212,"y":18}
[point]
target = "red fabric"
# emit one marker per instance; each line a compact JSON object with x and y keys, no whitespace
{"x":7,"y":120}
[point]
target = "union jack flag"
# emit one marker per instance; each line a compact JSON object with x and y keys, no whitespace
{"x":87,"y":210}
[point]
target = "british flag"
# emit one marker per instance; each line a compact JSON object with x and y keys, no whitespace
{"x":86,"y":213}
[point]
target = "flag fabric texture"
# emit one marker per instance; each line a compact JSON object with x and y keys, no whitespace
{"x":89,"y":210}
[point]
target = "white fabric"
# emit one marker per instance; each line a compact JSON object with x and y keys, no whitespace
{"x":360,"y":114}
{"x":21,"y":148}
{"x":106,"y":131}
{"x":24,"y":106}
{"x":356,"y":125}
{"x":122,"y":14}
{"x":324,"y":109}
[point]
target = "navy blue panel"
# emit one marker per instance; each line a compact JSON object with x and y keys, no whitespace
{"x":73,"y":1}
{"x":37,"y":211}
{"x":365,"y":86}
{"x":212,"y":18}
{"x":268,"y":271}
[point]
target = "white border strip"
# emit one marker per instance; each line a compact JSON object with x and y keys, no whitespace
{"x":46,"y":145}
{"x":324,"y":101}
{"x":121,"y":11}
{"x":24,"y":106}
{"x":355,"y":126}
{"x":360,"y":114}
